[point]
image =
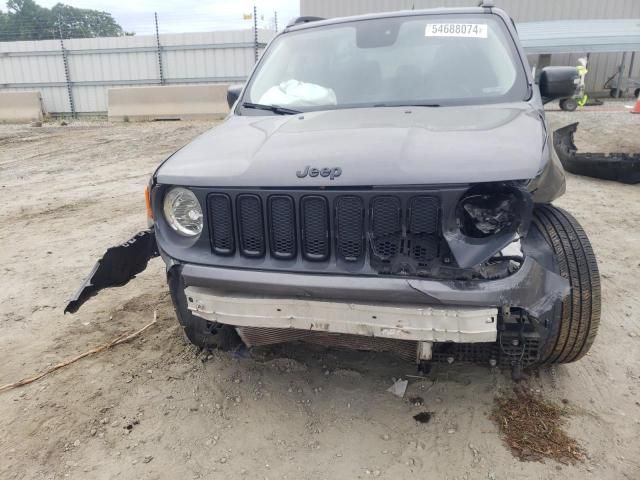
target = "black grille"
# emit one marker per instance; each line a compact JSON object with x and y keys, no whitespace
{"x":350,"y":227}
{"x":383,"y":232}
{"x":221,"y":224}
{"x":386,"y":226}
{"x":250,"y":225}
{"x":314,"y":217}
{"x":282,"y":219}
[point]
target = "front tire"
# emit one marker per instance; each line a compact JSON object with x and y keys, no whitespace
{"x":575,"y":321}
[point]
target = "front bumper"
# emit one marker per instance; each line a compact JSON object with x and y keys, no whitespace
{"x":533,"y":288}
{"x":419,"y":323}
{"x":422,"y":310}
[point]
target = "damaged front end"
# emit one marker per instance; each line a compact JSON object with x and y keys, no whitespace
{"x":117,"y":266}
{"x":618,"y":167}
{"x":466,"y":274}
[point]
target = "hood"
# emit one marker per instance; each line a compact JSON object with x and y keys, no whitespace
{"x":370,"y":146}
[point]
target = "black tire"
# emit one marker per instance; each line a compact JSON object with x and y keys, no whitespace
{"x":575,"y":320}
{"x":615,"y":93}
{"x":200,"y":332}
{"x":568,"y":104}
{"x":636,"y":93}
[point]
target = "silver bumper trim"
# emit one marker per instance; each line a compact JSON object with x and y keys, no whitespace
{"x":406,"y":322}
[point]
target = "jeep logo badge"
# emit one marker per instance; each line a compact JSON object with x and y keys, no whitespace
{"x":323,"y":172}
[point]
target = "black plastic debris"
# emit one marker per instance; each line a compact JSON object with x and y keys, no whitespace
{"x":423,"y":417}
{"x":619,"y":167}
{"x":116,"y":267}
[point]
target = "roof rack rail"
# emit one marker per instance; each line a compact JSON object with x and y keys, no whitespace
{"x":299,"y":20}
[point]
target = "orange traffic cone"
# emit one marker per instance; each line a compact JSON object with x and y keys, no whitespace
{"x":636,"y":108}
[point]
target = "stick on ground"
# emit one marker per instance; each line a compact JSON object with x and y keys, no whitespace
{"x":116,"y":341}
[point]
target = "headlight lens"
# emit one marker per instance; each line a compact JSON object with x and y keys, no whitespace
{"x":183,"y":212}
{"x":483,"y":215}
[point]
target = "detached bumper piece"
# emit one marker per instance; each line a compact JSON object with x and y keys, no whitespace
{"x":619,"y":167}
{"x":116,"y":267}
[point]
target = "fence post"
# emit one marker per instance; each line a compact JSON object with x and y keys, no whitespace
{"x":67,"y":75}
{"x":159,"y":50}
{"x":255,"y":33}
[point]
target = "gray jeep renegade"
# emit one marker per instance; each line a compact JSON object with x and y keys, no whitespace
{"x":383,"y":182}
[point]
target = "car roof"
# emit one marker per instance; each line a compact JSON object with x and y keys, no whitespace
{"x":394,"y":14}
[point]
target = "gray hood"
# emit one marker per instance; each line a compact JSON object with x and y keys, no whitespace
{"x":372,"y":146}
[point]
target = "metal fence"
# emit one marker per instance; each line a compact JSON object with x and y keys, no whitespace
{"x":73,"y":75}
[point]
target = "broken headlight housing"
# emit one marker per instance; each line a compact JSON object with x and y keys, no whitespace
{"x":482,"y":214}
{"x":183,"y":212}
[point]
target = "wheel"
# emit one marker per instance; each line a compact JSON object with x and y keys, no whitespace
{"x":615,"y":93}
{"x":575,"y":321}
{"x":568,"y":104}
{"x":200,"y":332}
{"x":636,"y":93}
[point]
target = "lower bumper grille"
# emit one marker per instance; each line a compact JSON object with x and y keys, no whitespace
{"x":526,"y":354}
{"x":256,"y":337}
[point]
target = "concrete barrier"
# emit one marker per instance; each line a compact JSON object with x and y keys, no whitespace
{"x":20,"y":107}
{"x":184,"y":102}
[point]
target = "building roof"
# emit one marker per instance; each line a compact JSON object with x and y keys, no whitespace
{"x":580,"y":36}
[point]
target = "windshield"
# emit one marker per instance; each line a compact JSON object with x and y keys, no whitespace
{"x":426,"y":60}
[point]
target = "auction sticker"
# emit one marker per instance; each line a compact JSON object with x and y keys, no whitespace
{"x":475,"y":30}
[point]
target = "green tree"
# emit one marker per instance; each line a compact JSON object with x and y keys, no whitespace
{"x":85,"y":23}
{"x":26,"y":20}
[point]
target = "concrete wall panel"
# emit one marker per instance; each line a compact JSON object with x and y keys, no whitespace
{"x":184,"y":102}
{"x":20,"y":107}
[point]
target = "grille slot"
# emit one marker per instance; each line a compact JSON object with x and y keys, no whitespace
{"x":221,"y":224}
{"x":423,"y":216}
{"x":282,"y":227}
{"x":350,"y":227}
{"x":423,"y":228}
{"x":386,"y":226}
{"x":250,"y":225}
{"x":314,"y":218}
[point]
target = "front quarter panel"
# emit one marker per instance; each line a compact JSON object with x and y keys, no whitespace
{"x":551,"y":182}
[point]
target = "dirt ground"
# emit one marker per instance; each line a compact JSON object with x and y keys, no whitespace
{"x":156,"y":409}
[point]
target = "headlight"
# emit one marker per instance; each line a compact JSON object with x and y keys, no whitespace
{"x":182,"y":211}
{"x":482,"y":215}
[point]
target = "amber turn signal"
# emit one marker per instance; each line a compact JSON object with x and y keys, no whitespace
{"x":147,"y":199}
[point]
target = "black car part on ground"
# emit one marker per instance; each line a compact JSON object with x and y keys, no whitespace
{"x":116,"y":267}
{"x":619,"y":167}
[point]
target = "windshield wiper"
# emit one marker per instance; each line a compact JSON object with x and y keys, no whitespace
{"x":422,"y":105}
{"x":271,"y":108}
{"x":405,"y":105}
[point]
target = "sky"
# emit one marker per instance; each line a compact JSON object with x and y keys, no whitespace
{"x":176,"y":16}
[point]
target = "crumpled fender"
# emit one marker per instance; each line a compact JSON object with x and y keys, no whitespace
{"x":117,"y":266}
{"x":533,"y":288}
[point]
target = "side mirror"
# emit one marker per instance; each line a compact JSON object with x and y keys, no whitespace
{"x":233,"y":92}
{"x":558,"y":82}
